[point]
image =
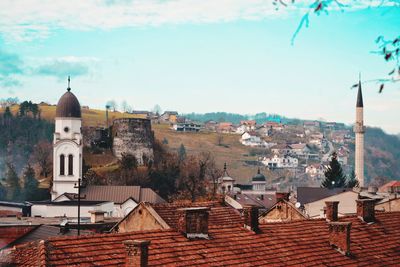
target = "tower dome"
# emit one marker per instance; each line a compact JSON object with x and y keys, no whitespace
{"x":68,"y":106}
{"x":259,"y":177}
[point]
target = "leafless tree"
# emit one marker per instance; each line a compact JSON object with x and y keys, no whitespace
{"x":43,"y":157}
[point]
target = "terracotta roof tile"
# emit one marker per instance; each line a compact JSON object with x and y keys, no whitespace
{"x":300,"y":243}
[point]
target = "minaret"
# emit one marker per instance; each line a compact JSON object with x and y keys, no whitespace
{"x":359,"y":129}
{"x":67,"y":145}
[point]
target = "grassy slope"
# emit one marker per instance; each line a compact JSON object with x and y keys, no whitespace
{"x":91,"y":117}
{"x":234,"y":155}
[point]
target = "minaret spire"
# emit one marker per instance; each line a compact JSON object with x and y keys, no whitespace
{"x":359,"y":130}
{"x":360,"y":102}
{"x":69,"y":83}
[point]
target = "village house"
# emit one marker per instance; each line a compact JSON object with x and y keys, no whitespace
{"x":275,"y":126}
{"x":300,"y":150}
{"x":280,"y":162}
{"x":281,"y":149}
{"x":225,"y":127}
{"x":169,"y":116}
{"x":205,"y":235}
{"x":315,"y":170}
{"x":282,"y":211}
{"x":251,"y":139}
{"x":124,"y":197}
{"x":246,"y":126}
{"x":186,"y":127}
{"x":211,"y":126}
{"x":390,"y":187}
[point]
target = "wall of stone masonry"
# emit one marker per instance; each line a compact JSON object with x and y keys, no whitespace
{"x":133,"y":136}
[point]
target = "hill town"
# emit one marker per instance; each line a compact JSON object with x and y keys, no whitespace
{"x":199,"y":133}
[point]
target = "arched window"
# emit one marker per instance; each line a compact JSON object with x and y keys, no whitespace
{"x":70,"y":165}
{"x":62,"y":164}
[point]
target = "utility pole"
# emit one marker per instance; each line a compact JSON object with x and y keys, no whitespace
{"x":79,"y":186}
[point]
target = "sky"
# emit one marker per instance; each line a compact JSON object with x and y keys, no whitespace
{"x":202,"y":56}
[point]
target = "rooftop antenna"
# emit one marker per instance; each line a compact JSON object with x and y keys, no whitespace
{"x":69,"y":82}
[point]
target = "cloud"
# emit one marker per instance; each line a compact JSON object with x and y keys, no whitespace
{"x":62,"y":67}
{"x":31,"y":19}
{"x":11,"y":65}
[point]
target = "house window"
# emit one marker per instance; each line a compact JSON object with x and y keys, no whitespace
{"x":62,"y":165}
{"x":70,"y":165}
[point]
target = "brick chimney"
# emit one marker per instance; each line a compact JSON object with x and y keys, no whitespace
{"x":339,"y":236}
{"x":193,"y":222}
{"x":282,"y":196}
{"x":366,"y":209}
{"x":250,"y":214}
{"x":331,"y":212}
{"x":137,"y":253}
{"x":97,"y":216}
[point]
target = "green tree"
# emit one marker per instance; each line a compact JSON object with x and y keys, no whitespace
{"x":351,"y":180}
{"x":31,"y":185}
{"x":182,"y":153}
{"x":12,"y":182}
{"x":334,"y":177}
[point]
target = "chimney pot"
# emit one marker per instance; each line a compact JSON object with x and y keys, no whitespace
{"x":282,"y":196}
{"x":366,"y":209}
{"x":193,"y":222}
{"x":331,"y":211}
{"x":250,"y":214}
{"x":339,"y":236}
{"x":137,"y":253}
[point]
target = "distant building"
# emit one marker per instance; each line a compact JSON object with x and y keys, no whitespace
{"x":246,"y":126}
{"x":315,"y":170}
{"x":169,"y":116}
{"x":251,"y":139}
{"x":225,"y":182}
{"x":259,"y":182}
{"x":211,"y":125}
{"x":187,"y":127}
{"x":282,"y":211}
{"x":225,"y":127}
{"x":284,"y":161}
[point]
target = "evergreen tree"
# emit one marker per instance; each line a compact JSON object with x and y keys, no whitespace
{"x":2,"y":192}
{"x":334,"y":177}
{"x":31,"y":185}
{"x":12,"y":182}
{"x":182,"y":153}
{"x":351,"y":180}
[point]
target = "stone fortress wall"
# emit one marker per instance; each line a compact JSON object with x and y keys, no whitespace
{"x":133,"y":136}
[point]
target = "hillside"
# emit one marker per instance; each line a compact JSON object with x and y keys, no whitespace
{"x":91,"y":117}
{"x":382,"y":150}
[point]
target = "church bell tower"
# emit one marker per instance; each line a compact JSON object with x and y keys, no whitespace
{"x":67,"y":145}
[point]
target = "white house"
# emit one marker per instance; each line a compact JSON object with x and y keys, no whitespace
{"x":315,"y":170}
{"x":281,"y":162}
{"x":251,"y":139}
{"x":300,"y":149}
{"x":70,"y":208}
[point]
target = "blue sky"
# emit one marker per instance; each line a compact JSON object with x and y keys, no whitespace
{"x":200,"y":56}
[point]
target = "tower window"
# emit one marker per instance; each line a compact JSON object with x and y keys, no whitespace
{"x":62,"y":165}
{"x":70,"y":165}
{"x":66,"y":129}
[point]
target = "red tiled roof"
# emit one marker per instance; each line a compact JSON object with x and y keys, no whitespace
{"x":219,"y":214}
{"x":300,"y":243}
